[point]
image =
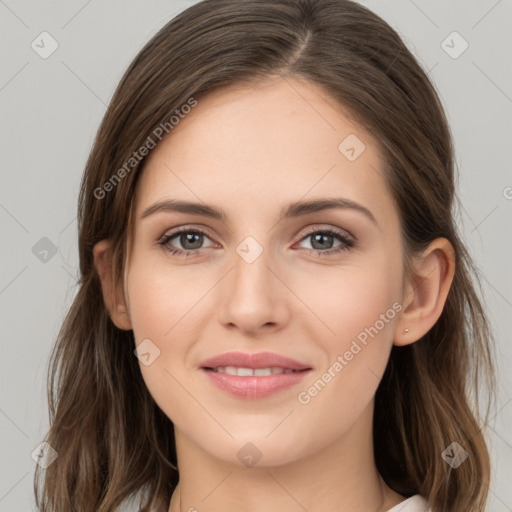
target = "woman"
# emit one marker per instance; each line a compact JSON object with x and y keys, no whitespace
{"x":317,"y":345}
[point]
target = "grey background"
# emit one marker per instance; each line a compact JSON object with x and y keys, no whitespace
{"x":52,"y":107}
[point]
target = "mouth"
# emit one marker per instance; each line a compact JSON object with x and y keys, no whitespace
{"x":247,"y":384}
{"x":253,"y":376}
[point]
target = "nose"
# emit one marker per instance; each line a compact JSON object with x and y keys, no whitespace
{"x":254,"y":297}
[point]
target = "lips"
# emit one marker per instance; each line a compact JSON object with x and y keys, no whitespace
{"x":255,"y":361}
{"x":253,"y":376}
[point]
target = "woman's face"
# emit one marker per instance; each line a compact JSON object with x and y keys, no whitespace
{"x":322,"y":286}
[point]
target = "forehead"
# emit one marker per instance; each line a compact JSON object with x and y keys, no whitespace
{"x":263,"y":146}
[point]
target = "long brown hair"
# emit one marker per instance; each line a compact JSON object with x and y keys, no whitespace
{"x":113,"y":441}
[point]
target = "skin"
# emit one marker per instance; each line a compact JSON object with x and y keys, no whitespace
{"x":251,"y":151}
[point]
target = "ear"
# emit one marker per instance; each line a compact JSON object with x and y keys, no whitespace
{"x":426,"y":291}
{"x":113,"y":297}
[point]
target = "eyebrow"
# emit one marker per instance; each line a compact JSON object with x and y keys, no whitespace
{"x":293,"y":210}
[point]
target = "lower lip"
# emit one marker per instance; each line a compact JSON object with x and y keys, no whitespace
{"x":255,"y":387}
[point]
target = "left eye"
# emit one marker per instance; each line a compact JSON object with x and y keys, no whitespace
{"x":321,"y":238}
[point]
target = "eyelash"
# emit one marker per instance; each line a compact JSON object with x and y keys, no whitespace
{"x":347,"y":242}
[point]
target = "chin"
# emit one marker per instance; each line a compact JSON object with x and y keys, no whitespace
{"x":255,"y":450}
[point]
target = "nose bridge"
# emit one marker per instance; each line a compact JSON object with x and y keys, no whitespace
{"x":251,"y":273}
{"x":252,"y":297}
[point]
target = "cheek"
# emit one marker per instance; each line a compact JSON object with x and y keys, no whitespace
{"x":358,"y":308}
{"x":162,"y":299}
{"x":161,"y":307}
{"x":166,"y":307}
{"x":348,"y":300}
{"x":340,"y":393}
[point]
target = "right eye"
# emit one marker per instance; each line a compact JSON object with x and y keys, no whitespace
{"x":186,"y":238}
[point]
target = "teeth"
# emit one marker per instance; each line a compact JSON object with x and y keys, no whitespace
{"x":248,"y":372}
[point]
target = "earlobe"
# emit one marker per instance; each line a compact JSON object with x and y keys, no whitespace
{"x":113,"y":297}
{"x":426,"y":292}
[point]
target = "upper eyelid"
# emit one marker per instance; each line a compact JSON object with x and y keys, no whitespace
{"x":176,"y":231}
{"x":339,"y":231}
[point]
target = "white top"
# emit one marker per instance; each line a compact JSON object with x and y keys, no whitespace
{"x":415,"y":503}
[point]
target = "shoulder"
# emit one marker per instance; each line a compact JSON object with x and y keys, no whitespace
{"x":415,"y":503}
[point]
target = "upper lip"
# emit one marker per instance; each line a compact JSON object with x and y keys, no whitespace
{"x":255,"y":360}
